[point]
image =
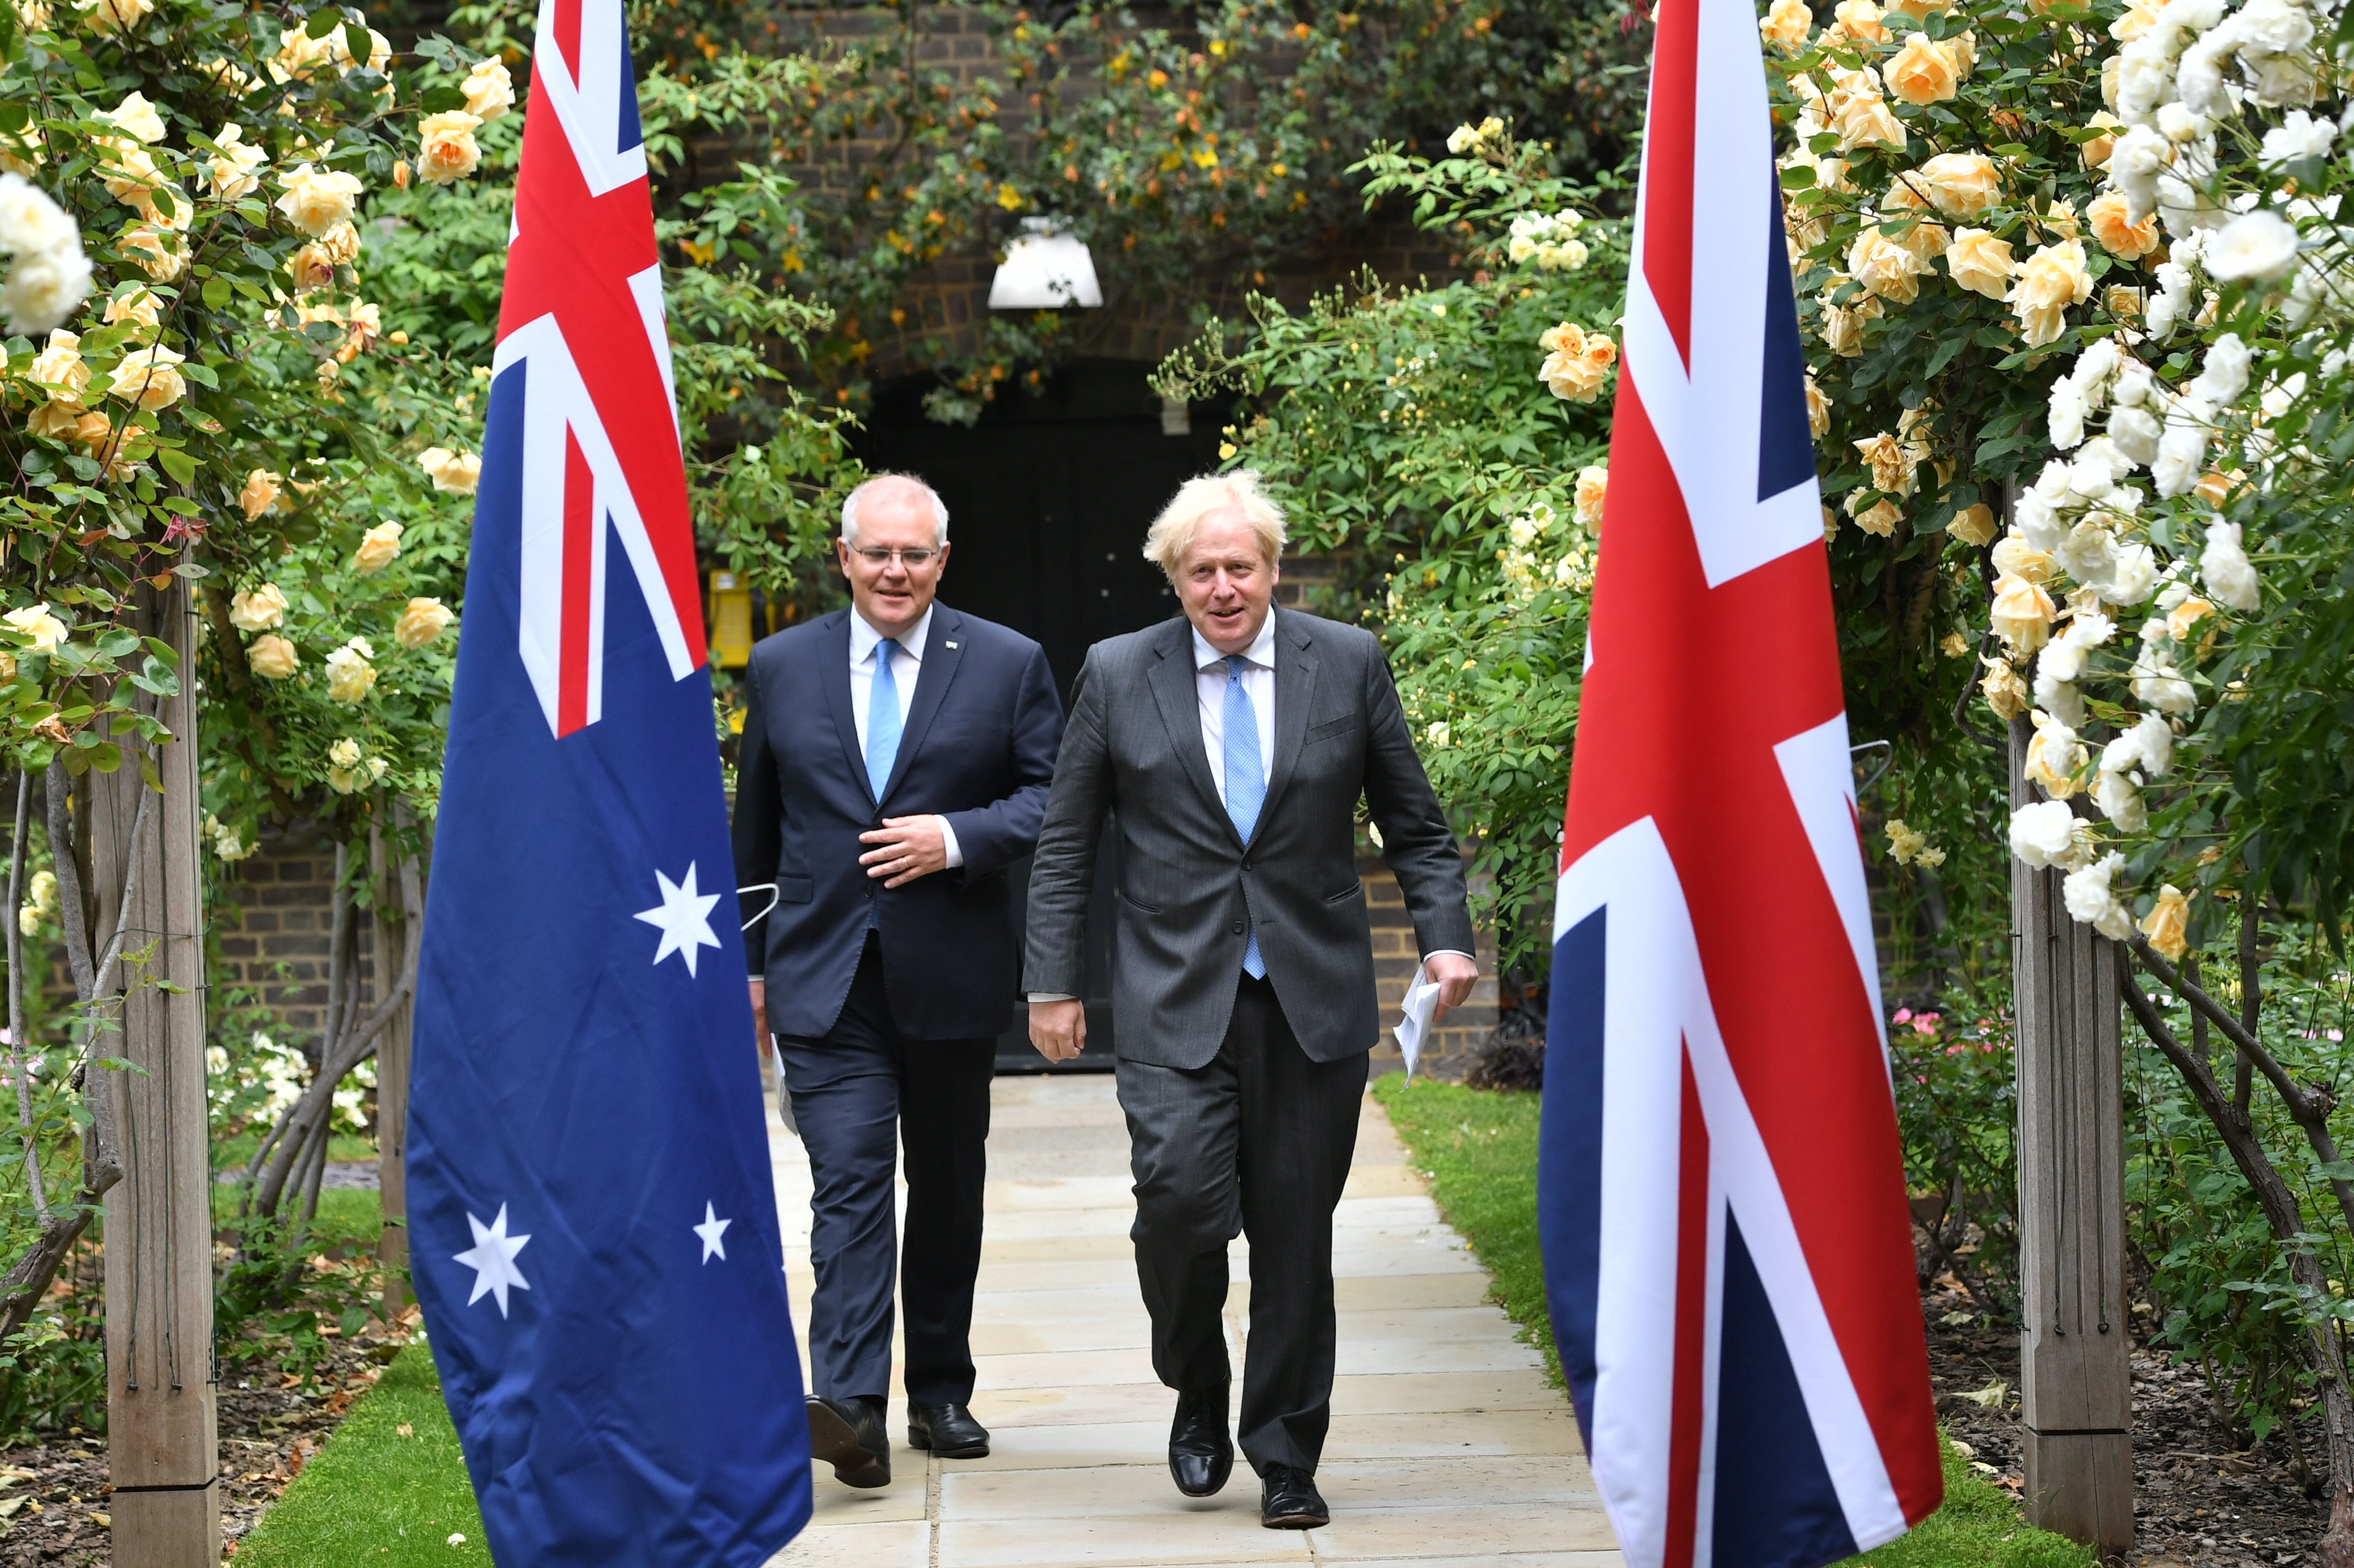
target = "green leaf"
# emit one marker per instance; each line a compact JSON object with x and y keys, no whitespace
{"x":324,"y":20}
{"x":202,"y":375}
{"x":114,"y":644}
{"x":177,"y":464}
{"x":355,"y":39}
{"x":442,"y":100}
{"x":216,"y":291}
{"x":153,"y":780}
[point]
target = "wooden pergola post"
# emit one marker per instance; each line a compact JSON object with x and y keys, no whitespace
{"x":161,"y":1440}
{"x":395,"y":950}
{"x":2075,"y":1383}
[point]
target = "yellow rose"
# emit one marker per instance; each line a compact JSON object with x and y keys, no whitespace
{"x":129,"y":173}
{"x":2140,"y":15}
{"x":1891,"y":463}
{"x":162,"y":259}
{"x":1960,"y":185}
{"x":1881,"y":517}
{"x":1885,"y":268}
{"x":446,"y":150}
{"x":421,"y":622}
{"x":316,"y":199}
{"x":138,"y":307}
{"x":57,"y":420}
{"x":2054,"y":757}
{"x":272,"y":657}
{"x":1955,"y":645}
{"x":2113,"y":226}
{"x":378,"y":545}
{"x":400,"y":173}
{"x":1973,"y":525}
{"x":1981,"y":263}
{"x":1787,"y":24}
{"x":149,"y":377}
{"x":1843,"y":328}
{"x":1925,"y":242}
{"x":1962,"y":51}
{"x":1922,"y":10}
{"x":2022,"y":613}
{"x":1593,"y":485}
{"x":1922,"y":73}
{"x":311,"y":267}
{"x":2060,"y":219}
{"x":259,"y":495}
{"x":453,"y":473}
{"x":2049,"y":282}
{"x":258,"y":610}
{"x":350,"y":677}
{"x":1864,"y":119}
{"x":2167,"y":923}
{"x":59,"y":369}
{"x":2121,"y":302}
{"x":1819,"y":409}
{"x":490,"y":92}
{"x":2215,"y":488}
{"x":136,"y":117}
{"x":230,"y":171}
{"x":2096,"y":153}
{"x":341,"y":244}
{"x":2015,"y":557}
{"x":45,"y":631}
{"x":1860,"y":20}
{"x":113,"y":16}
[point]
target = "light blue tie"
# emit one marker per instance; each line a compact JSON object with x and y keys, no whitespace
{"x":1246,"y":782}
{"x":883,"y":719}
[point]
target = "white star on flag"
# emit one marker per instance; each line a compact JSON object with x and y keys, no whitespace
{"x":684,"y":919}
{"x":712,"y":1228}
{"x":492,"y":1258}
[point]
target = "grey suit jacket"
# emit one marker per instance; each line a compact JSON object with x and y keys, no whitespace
{"x":1133,"y":747}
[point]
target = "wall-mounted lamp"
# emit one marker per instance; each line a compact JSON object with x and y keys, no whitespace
{"x":1045,"y":271}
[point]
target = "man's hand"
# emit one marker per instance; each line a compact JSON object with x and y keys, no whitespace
{"x":1455,"y":975}
{"x":1059,"y":1029}
{"x":761,"y":1015}
{"x":904,"y":849}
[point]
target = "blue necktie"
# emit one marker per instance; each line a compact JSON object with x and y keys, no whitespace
{"x":883,"y":719}
{"x":1246,"y":782}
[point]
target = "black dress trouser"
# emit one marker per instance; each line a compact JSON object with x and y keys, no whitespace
{"x":1258,"y":1142}
{"x":861,"y":1093}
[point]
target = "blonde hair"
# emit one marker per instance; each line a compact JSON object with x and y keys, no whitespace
{"x":1172,"y":534}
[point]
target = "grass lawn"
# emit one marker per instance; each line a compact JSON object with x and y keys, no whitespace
{"x":389,"y":1488}
{"x":1480,"y":1152}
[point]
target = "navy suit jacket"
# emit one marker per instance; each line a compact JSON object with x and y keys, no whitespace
{"x":979,"y":750}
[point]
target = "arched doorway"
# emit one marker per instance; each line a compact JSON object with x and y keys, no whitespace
{"x":1048,"y":497}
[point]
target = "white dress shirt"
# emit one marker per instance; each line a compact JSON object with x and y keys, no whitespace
{"x":906,"y":667}
{"x":1210,"y":675}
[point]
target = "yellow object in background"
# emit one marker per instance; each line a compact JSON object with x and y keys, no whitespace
{"x":731,"y":621}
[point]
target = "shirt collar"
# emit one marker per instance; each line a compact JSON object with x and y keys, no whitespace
{"x":1260,"y":653}
{"x":862,"y":636}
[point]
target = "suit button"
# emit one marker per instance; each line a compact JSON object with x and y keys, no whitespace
{"x":1238,"y":927}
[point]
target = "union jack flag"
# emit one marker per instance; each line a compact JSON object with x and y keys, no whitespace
{"x":1728,"y":1247}
{"x":583,"y":318}
{"x":592,"y":1219}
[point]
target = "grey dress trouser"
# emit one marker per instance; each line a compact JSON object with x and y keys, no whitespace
{"x":1258,"y":1142}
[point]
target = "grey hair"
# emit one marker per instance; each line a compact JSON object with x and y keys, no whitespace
{"x":850,"y":507}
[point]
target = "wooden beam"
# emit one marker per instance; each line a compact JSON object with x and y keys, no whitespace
{"x":162,"y":1438}
{"x":2075,"y":1383}
{"x":392,"y":946}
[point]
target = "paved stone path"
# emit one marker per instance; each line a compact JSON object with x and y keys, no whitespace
{"x":1448,"y":1448}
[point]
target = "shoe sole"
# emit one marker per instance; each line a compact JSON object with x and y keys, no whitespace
{"x":1298,"y":1521}
{"x":832,"y":1441}
{"x":921,"y":1439}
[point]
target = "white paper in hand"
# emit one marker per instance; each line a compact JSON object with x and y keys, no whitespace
{"x":1413,"y":1021}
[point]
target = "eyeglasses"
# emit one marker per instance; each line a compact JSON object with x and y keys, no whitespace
{"x":914,"y":560}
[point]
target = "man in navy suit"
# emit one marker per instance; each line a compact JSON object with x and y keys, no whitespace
{"x":896,"y":761}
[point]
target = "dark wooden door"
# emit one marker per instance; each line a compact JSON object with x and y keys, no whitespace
{"x":1049,"y":496}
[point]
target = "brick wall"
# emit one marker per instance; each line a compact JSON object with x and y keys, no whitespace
{"x":271,"y":923}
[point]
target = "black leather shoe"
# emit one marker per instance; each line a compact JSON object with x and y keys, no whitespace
{"x":1289,"y":1500}
{"x":1200,"y":1453}
{"x":948,"y":1430}
{"x":848,"y":1433}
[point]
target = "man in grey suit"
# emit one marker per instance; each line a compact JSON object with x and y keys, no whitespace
{"x":1233,"y":745}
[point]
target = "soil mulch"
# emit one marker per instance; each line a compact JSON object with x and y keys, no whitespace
{"x":2201,"y":1498}
{"x":55,"y":1498}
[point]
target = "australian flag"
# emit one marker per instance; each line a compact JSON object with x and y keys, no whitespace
{"x":593,"y":1228}
{"x":1727,"y":1249}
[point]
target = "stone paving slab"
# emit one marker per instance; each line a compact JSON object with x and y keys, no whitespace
{"x":1448,"y":1448}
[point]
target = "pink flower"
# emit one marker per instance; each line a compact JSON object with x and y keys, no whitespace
{"x":1925,"y":1023}
{"x":1904,"y":1015}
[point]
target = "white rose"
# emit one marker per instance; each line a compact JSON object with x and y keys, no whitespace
{"x":2135,"y":432}
{"x":2156,"y":683}
{"x":2092,"y":902}
{"x":2255,"y":244}
{"x":30,"y":221}
{"x":2298,"y":135}
{"x":2223,"y":568}
{"x":2043,"y":834}
{"x":2275,"y":27}
{"x":2133,"y":576}
{"x":2120,"y":800}
{"x":44,"y":288}
{"x":135,"y":116}
{"x":2147,"y":746}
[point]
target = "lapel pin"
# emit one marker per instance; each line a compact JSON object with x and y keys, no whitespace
{"x":951,"y":644}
